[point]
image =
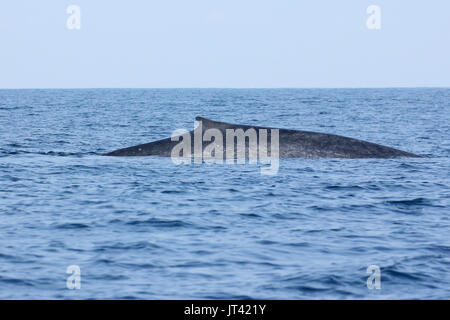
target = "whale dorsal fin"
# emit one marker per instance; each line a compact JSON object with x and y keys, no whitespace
{"x":206,"y":123}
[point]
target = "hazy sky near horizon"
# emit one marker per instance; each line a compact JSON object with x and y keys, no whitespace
{"x":224,"y":43}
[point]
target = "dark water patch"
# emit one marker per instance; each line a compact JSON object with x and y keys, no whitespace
{"x":410,"y":202}
{"x":286,"y":216}
{"x":250,"y":215}
{"x":226,"y":296}
{"x":297,"y":244}
{"x":18,"y":259}
{"x":309,"y":280}
{"x":48,"y":153}
{"x":6,"y":256}
{"x":214,"y":228}
{"x":160,"y":223}
{"x":344,"y":188}
{"x":198,"y":264}
{"x":12,"y":179}
{"x":173,"y":191}
{"x":394,"y":274}
{"x":324,"y":230}
{"x":407,"y":166}
{"x":203,"y":252}
{"x":138,"y":266}
{"x":104,"y":261}
{"x":267,"y":242}
{"x":94,"y":202}
{"x":241,"y":297}
{"x":439,"y":248}
{"x":15,"y":145}
{"x":361,"y":209}
{"x":106,"y":277}
{"x":16,"y":282}
{"x":71,"y":226}
{"x":307,"y":289}
{"x":127,"y":246}
{"x":116,"y":221}
{"x":320,"y":208}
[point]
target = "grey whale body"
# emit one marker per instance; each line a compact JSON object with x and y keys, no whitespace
{"x":292,"y":144}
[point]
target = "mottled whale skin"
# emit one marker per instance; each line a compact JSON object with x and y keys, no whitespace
{"x":292,"y":144}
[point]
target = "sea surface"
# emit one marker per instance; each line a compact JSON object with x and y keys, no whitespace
{"x":144,"y":228}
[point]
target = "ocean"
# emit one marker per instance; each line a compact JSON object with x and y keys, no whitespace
{"x":78,"y":225}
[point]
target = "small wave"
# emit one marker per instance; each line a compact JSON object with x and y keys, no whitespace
{"x":226,"y":296}
{"x":307,"y":289}
{"x":68,"y":226}
{"x":159,"y":223}
{"x":250,"y":215}
{"x":443,"y":249}
{"x":297,"y":244}
{"x":64,"y":154}
{"x":392,"y":274}
{"x":128,"y":246}
{"x":46,"y":153}
{"x":410,"y":202}
{"x":109,"y":277}
{"x":337,"y":187}
{"x":324,"y":230}
{"x":172,"y":191}
{"x":16,"y":282}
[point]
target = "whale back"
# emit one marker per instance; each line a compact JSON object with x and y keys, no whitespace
{"x":292,"y":144}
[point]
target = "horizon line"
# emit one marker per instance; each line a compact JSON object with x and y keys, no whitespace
{"x":234,"y":88}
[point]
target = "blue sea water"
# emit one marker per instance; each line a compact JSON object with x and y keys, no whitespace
{"x":144,"y":228}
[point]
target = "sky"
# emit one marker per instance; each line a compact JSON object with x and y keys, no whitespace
{"x":224,"y":44}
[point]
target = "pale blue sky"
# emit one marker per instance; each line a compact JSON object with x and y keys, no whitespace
{"x":224,"y":43}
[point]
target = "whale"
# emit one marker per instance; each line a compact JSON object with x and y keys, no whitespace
{"x":290,"y":143}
